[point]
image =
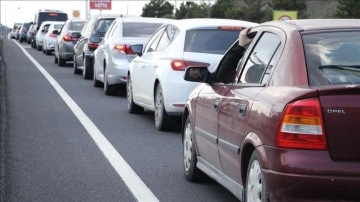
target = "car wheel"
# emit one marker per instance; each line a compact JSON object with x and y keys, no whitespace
{"x":255,"y":189}
{"x":162,"y":120}
{"x":132,"y":107}
{"x":38,"y":48}
{"x":61,"y":62}
{"x":56,"y":60}
{"x":191,"y":172}
{"x":86,"y":70}
{"x":97,"y":83}
{"x":76,"y":70}
{"x":47,"y":52}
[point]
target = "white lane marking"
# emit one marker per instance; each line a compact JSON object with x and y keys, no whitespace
{"x":128,"y":175}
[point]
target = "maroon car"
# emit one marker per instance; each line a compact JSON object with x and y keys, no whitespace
{"x":290,"y":133}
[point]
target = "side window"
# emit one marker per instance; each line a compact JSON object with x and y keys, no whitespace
{"x":153,"y":42}
{"x":166,"y":38}
{"x":259,"y":64}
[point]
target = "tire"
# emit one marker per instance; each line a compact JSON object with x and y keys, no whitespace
{"x":191,"y":172}
{"x":97,"y":83}
{"x":47,"y":52}
{"x":75,"y":66}
{"x":163,"y":121}
{"x":61,"y":62}
{"x":87,"y":73}
{"x":255,"y":189}
{"x":56,"y":60}
{"x":132,"y":107}
{"x":39,"y":48}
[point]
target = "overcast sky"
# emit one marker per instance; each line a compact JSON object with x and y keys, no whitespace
{"x":24,"y":11}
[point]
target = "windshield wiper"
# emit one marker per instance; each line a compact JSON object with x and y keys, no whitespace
{"x":344,"y":67}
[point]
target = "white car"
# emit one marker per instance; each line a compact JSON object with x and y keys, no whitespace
{"x":156,"y":77}
{"x":113,"y":55}
{"x":50,"y":37}
{"x":39,"y":37}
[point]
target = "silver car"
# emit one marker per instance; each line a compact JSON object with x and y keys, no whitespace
{"x":112,"y":57}
{"x":66,"y":39}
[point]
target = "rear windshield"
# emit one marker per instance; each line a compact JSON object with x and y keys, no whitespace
{"x":76,"y":26}
{"x":103,"y":25}
{"x":57,"y":26}
{"x":333,"y":58}
{"x":137,"y":29}
{"x":210,"y":41}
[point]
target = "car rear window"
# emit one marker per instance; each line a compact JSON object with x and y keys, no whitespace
{"x":139,"y":29}
{"x":57,"y":26}
{"x":333,"y":58}
{"x":103,"y":25}
{"x":76,"y":26}
{"x":210,"y":41}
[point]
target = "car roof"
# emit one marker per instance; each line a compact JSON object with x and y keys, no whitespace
{"x":100,"y":16}
{"x":143,"y":19}
{"x":315,"y":24}
{"x":209,"y":22}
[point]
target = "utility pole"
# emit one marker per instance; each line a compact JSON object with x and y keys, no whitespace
{"x":86,"y":9}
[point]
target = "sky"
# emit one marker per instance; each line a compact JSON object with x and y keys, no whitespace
{"x":24,"y":11}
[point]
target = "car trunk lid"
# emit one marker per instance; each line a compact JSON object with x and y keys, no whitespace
{"x":341,"y":110}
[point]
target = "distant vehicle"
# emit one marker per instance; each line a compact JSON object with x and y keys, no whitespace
{"x":66,"y":40}
{"x":15,"y":31}
{"x":31,"y":34}
{"x":49,"y":15}
{"x":23,"y":31}
{"x":287,"y":127}
{"x":112,"y":57}
{"x":50,"y":37}
{"x":39,"y":37}
{"x":155,"y":78}
{"x":84,"y":49}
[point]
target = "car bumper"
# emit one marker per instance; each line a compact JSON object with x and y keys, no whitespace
{"x":176,"y":91}
{"x":307,"y":175}
{"x":117,"y":72}
{"x":66,"y":51}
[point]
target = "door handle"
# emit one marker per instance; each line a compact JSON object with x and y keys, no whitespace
{"x":242,"y":110}
{"x":216,"y":105}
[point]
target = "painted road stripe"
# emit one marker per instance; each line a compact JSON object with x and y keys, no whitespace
{"x":127,"y":174}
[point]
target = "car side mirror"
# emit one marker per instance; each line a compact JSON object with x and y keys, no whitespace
{"x":95,"y":38}
{"x":43,"y":30}
{"x":55,"y":32}
{"x":137,"y":49}
{"x":196,"y":74}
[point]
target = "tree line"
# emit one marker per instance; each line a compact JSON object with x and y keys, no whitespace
{"x":249,"y":10}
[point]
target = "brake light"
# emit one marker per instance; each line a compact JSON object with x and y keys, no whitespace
{"x":230,"y":28}
{"x":67,"y":37}
{"x":92,"y":46}
{"x":181,"y":65}
{"x":123,"y":48}
{"x":302,"y":126}
{"x":52,"y":35}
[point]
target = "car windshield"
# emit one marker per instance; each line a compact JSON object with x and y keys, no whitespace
{"x":210,"y":41}
{"x":333,"y":58}
{"x":139,"y":29}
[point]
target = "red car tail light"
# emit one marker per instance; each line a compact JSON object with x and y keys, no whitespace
{"x":92,"y":46}
{"x":302,"y":126}
{"x":67,"y":37}
{"x":181,"y":65}
{"x":123,"y":48}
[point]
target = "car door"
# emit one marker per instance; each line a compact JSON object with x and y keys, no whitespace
{"x":239,"y":101}
{"x":140,"y":74}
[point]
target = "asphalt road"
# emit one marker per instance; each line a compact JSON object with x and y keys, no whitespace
{"x":65,"y":140}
